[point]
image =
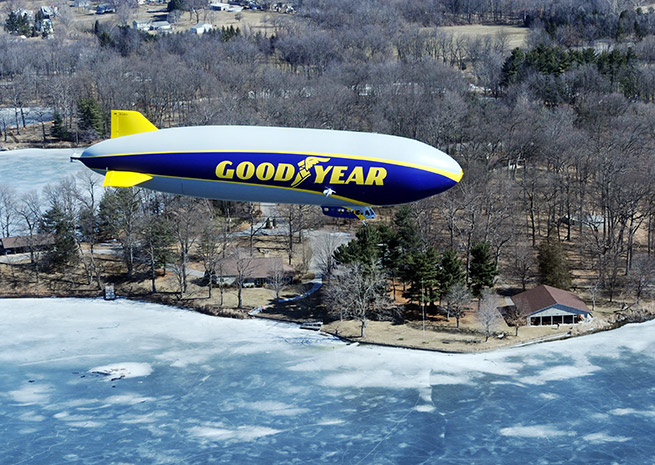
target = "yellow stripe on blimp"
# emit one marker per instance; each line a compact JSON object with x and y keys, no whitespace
{"x":124,"y":179}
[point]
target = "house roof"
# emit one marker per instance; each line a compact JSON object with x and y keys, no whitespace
{"x":257,"y":267}
{"x":541,"y":297}
{"x":16,"y":242}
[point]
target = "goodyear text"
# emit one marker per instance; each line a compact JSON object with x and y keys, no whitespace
{"x":311,"y":168}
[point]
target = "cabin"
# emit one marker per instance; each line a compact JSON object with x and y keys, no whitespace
{"x":547,"y":306}
{"x":143,"y":26}
{"x":161,"y":26}
{"x":201,"y":28}
{"x":258,"y":271}
{"x":22,"y":244}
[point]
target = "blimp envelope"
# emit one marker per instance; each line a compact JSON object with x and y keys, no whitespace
{"x":283,"y":165}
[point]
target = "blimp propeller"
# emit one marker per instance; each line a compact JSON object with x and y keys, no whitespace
{"x":344,"y":172}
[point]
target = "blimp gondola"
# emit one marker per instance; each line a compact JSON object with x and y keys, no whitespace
{"x":344,"y":172}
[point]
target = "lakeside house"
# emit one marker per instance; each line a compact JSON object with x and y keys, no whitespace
{"x":546,"y":305}
{"x":22,"y":244}
{"x":257,"y":271}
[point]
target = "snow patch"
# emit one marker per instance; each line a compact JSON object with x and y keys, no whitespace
{"x":534,"y":431}
{"x":277,"y":408}
{"x":129,"y":399}
{"x":561,"y":372}
{"x":240,"y":434}
{"x":31,"y":394}
{"x":123,"y":370}
{"x":601,"y":438}
{"x":631,"y":411}
{"x":425,"y":408}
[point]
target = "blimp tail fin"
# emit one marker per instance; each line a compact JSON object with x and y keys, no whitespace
{"x":127,"y":122}
{"x":124,"y":179}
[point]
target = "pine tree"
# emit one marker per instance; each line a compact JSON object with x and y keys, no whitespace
{"x":59,"y":129}
{"x":64,"y":252}
{"x":423,"y":276}
{"x":18,"y":24}
{"x":483,"y":268}
{"x":367,"y":247}
{"x":90,"y":117}
{"x":450,"y":272}
{"x":553,"y":266}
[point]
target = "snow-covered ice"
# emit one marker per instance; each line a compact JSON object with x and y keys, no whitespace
{"x":89,"y":381}
{"x":32,"y":169}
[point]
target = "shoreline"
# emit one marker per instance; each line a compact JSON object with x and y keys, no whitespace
{"x":243,"y":314}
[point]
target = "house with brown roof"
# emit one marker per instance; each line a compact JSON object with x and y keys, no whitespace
{"x":257,"y":271}
{"x":23,"y":244}
{"x":546,"y":305}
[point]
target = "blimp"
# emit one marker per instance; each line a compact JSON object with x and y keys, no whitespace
{"x":345,"y":173}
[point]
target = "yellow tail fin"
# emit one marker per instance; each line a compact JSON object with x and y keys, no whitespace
{"x":124,"y":179}
{"x":126,"y":122}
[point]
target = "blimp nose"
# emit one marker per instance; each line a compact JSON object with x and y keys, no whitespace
{"x":454,"y":169}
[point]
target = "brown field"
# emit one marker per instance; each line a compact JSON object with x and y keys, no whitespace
{"x":516,"y":36}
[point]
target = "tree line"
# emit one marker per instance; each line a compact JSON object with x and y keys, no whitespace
{"x":155,"y":233}
{"x":555,"y":139}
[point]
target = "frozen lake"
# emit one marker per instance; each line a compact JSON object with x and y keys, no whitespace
{"x":88,"y":381}
{"x":32,"y":169}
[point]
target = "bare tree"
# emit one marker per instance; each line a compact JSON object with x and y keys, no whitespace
{"x":29,"y":209}
{"x":640,"y":281}
{"x":7,"y":210}
{"x":156,"y":235}
{"x":357,"y":292}
{"x":457,"y":299}
{"x":187,"y":215}
{"x":243,"y":262}
{"x":514,"y":317}
{"x":120,"y":209}
{"x":522,"y":263}
{"x":488,"y":315}
{"x":324,"y":247}
{"x":277,"y":279}
{"x":210,"y":248}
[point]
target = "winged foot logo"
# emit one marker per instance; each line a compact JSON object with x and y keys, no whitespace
{"x":323,"y":173}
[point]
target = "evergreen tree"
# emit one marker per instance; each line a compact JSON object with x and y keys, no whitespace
{"x":175,"y":5}
{"x":513,"y":66}
{"x":404,"y":241}
{"x":59,"y":129}
{"x":483,"y":268}
{"x":423,"y":276}
{"x":367,"y":247}
{"x":90,"y":117}
{"x":450,"y":272}
{"x":18,"y":24}
{"x":553,"y":266}
{"x":64,"y":252}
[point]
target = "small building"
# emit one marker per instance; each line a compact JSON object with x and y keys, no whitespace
{"x":546,"y":305}
{"x":219,"y":6}
{"x":44,"y":26}
{"x":48,"y":12}
{"x":22,"y":244}
{"x":141,"y":25}
{"x":201,"y":28}
{"x":161,"y":26}
{"x":258,"y":271}
{"x":105,"y":8}
{"x":86,"y":4}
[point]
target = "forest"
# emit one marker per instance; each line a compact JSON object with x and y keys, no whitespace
{"x":555,"y":138}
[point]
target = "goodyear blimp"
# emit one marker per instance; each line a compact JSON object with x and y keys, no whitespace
{"x":344,"y":172}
